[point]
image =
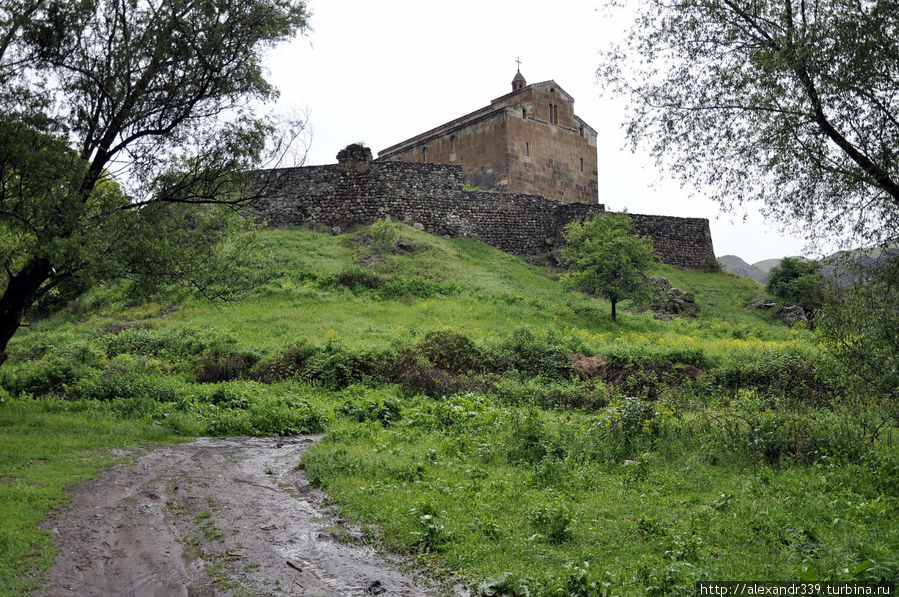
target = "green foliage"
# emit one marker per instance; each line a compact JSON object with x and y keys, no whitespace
{"x":177,"y":86}
{"x":451,"y":351}
{"x":552,"y":522}
{"x":772,"y":102}
{"x":797,"y":281}
{"x":370,"y":405}
{"x":858,"y":326}
{"x":383,"y":237}
{"x":604,"y":258}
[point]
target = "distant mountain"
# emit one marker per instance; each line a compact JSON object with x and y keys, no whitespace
{"x":766,"y":265}
{"x":839,"y":266}
{"x":835,"y":266}
{"x":735,"y":265}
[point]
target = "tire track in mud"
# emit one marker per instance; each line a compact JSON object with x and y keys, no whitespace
{"x":210,"y":518}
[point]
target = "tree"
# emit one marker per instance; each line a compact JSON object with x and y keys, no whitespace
{"x":797,"y":281}
{"x":604,"y":258}
{"x":794,"y":104}
{"x":858,"y":325}
{"x":126,"y":130}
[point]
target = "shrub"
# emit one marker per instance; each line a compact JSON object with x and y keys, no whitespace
{"x":549,"y":393}
{"x":527,"y":442}
{"x":358,"y":277}
{"x":797,"y":281}
{"x":217,"y":365}
{"x":526,"y":353}
{"x":553,"y":522}
{"x":331,"y":367}
{"x":372,"y":406}
{"x":289,"y":364}
{"x":451,"y":351}
{"x":383,"y":237}
{"x":417,"y":376}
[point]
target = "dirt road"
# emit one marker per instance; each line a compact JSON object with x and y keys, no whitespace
{"x":213,"y":517}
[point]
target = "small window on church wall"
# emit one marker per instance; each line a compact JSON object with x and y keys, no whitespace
{"x":524,"y":113}
{"x":527,"y":149}
{"x":424,"y":154}
{"x":582,"y":164}
{"x":453,"y":143}
{"x":582,"y":131}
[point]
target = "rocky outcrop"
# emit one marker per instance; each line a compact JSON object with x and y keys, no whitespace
{"x":788,"y":314}
{"x":669,"y":302}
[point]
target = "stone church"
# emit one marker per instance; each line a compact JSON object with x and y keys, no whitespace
{"x":527,"y":141}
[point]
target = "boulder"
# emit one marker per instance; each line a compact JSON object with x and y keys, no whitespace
{"x":790,"y":314}
{"x":668,"y":301}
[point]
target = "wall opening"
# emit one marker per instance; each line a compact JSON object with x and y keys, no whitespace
{"x":424,"y":155}
{"x":527,"y":149}
{"x":582,"y":164}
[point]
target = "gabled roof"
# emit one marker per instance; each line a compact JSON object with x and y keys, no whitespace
{"x":496,"y":105}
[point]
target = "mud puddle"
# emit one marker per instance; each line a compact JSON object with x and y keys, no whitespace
{"x":214,"y":517}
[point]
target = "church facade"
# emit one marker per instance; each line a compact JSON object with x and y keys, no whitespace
{"x":527,"y":141}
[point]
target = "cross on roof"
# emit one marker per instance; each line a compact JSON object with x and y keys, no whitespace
{"x":518,"y":61}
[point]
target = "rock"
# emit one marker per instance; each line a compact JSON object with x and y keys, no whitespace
{"x":764,"y":304}
{"x":418,"y":226}
{"x":336,"y":230}
{"x":668,"y":301}
{"x":790,"y":314}
{"x":589,"y":367}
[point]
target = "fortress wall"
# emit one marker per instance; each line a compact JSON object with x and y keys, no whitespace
{"x":431,"y":195}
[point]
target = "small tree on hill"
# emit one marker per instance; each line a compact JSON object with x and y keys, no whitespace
{"x":605,"y":258}
{"x":797,"y":281}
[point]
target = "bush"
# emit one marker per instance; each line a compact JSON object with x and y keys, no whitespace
{"x":553,"y":522}
{"x":797,"y":281}
{"x":332,"y":367}
{"x":369,"y":405}
{"x":290,"y":364}
{"x":451,"y":352}
{"x":217,"y":365}
{"x":383,"y":237}
{"x":549,"y":393}
{"x":527,"y":354}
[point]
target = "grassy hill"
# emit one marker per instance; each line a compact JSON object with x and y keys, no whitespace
{"x":493,"y":425}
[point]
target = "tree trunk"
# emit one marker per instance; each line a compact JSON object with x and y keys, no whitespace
{"x":19,"y":295}
{"x":614,"y":312}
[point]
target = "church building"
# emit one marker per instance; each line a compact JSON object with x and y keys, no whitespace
{"x":527,"y":141}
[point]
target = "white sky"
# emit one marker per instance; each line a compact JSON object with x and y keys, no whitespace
{"x":381,"y":72}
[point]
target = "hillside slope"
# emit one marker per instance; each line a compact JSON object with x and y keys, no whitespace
{"x":482,"y":419}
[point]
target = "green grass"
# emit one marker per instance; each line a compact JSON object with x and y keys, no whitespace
{"x":506,"y":494}
{"x":43,"y":452}
{"x":718,"y":447}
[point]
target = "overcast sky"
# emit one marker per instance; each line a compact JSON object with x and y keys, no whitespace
{"x":381,"y":72}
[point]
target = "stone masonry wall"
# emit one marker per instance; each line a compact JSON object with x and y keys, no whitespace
{"x":357,"y":191}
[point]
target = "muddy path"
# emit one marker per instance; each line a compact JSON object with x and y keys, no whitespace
{"x":214,"y":517}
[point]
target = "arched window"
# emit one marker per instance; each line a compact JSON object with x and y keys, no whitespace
{"x":453,"y":143}
{"x":424,"y":155}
